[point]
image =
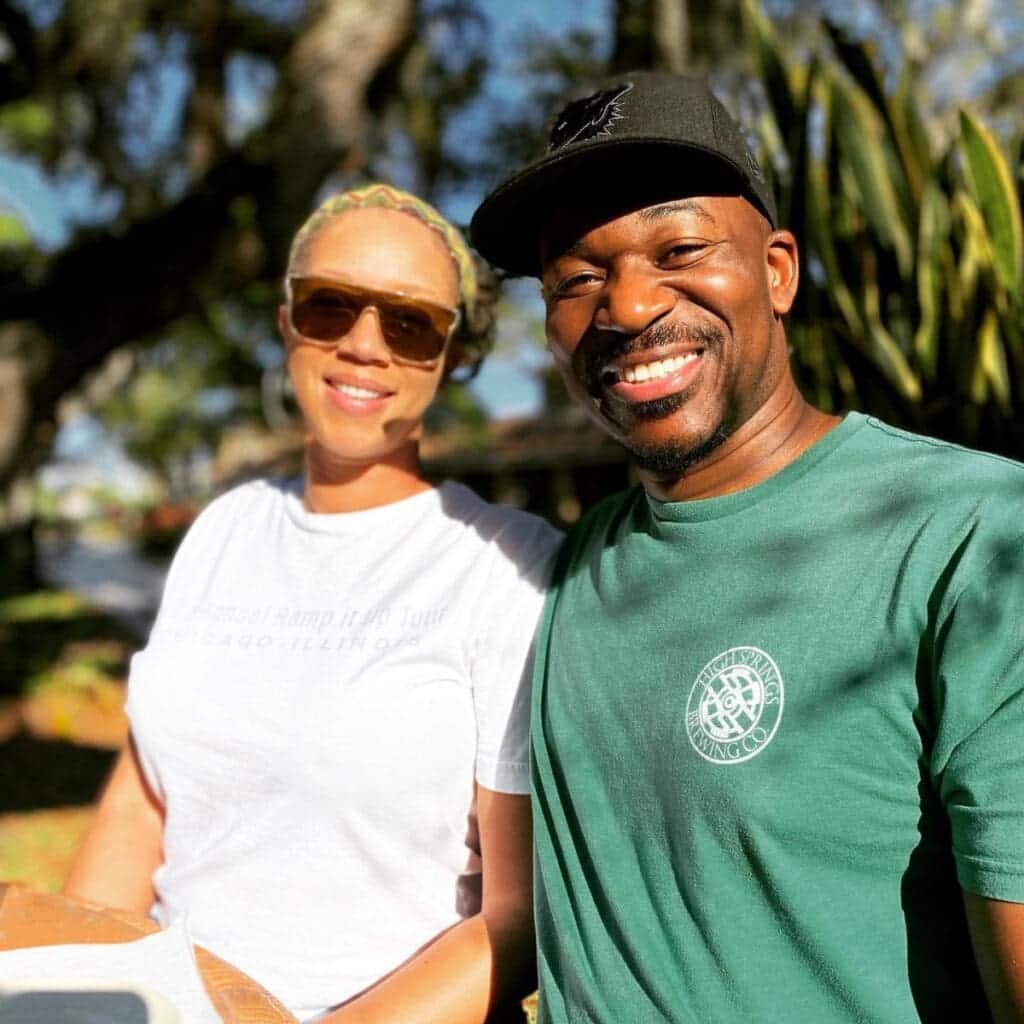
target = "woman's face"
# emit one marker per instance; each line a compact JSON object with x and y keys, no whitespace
{"x":361,"y":402}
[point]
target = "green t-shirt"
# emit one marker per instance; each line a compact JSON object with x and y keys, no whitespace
{"x":774,"y":735}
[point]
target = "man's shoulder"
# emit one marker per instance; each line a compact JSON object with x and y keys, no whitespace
{"x":949,"y":503}
{"x":908,"y":444}
{"x":916,"y":463}
{"x":600,"y":523}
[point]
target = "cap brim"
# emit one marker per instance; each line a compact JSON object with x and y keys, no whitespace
{"x":508,"y":225}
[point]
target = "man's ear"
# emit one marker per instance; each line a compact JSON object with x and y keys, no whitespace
{"x":783,"y":261}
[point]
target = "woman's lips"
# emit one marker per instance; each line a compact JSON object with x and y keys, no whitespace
{"x":652,"y":379}
{"x":356,"y":396}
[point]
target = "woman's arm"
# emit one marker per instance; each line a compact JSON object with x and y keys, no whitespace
{"x":123,"y":846}
{"x":482,"y":961}
{"x":997,"y":933}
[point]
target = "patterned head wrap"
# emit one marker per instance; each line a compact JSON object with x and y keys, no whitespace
{"x":390,"y":198}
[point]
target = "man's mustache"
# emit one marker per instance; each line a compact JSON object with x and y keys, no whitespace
{"x":602,"y":347}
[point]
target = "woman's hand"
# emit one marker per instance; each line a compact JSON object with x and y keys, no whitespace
{"x":481,"y":962}
{"x":124,"y":844}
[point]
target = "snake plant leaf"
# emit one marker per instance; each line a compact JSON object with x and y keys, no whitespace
{"x":975,"y":251}
{"x":822,"y":231}
{"x":991,"y":183}
{"x":909,"y":135}
{"x":885,"y":349}
{"x":793,"y":200}
{"x":771,"y":67}
{"x":1012,"y":332}
{"x":892,"y":362}
{"x":859,"y":60}
{"x":933,"y":239}
{"x":861,"y":135}
{"x":990,"y":370}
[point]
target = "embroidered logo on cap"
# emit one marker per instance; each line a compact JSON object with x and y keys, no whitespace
{"x":588,"y":117}
{"x":735,"y":706}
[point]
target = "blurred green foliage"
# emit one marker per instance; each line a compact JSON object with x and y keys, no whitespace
{"x":47,"y":628}
{"x":909,"y":221}
{"x":13,"y":233}
{"x":913,"y":293}
{"x":187,"y":388}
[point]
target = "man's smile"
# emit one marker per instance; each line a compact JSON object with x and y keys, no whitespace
{"x":662,"y":363}
{"x":651,"y":378}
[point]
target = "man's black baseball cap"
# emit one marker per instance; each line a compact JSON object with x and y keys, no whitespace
{"x":625,"y":130}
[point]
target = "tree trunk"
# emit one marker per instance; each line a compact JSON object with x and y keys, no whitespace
{"x":106,"y":291}
{"x":676,"y":35}
{"x":23,"y":357}
{"x":670,"y":30}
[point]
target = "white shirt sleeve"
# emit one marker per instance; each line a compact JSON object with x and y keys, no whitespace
{"x":502,"y":652}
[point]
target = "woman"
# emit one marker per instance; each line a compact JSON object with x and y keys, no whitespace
{"x":328,"y":721}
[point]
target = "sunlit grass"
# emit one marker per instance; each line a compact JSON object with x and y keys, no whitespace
{"x":37,"y":847}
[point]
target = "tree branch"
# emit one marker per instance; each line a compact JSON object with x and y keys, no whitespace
{"x":106,"y":290}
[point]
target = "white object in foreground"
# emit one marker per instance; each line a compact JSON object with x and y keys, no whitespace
{"x":160,"y":969}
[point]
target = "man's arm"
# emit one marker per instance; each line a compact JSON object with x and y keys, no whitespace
{"x":124,"y":844}
{"x":997,"y":933}
{"x":482,"y":961}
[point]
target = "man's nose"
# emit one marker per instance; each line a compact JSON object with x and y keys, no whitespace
{"x":364,"y":340}
{"x":632,"y":301}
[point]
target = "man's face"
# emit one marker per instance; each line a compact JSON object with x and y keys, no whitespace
{"x":664,"y":321}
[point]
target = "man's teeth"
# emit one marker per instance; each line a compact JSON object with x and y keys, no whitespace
{"x":652,"y":371}
{"x":355,"y":392}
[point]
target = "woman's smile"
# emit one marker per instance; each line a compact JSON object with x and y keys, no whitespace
{"x":356,"y":395}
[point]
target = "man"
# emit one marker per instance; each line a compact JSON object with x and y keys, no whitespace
{"x":779,"y":702}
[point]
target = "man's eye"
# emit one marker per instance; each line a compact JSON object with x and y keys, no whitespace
{"x":575,"y":284}
{"x":682,"y":253}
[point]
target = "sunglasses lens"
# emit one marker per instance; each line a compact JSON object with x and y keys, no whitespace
{"x":412,"y":332}
{"x":325,"y":314}
{"x":416,"y":331}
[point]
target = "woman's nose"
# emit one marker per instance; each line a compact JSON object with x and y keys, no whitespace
{"x":364,"y":340}
{"x":632,"y":302}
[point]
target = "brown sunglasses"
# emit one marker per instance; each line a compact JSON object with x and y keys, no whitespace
{"x":325,"y":310}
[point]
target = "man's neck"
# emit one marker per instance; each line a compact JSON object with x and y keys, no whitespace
{"x":779,"y":432}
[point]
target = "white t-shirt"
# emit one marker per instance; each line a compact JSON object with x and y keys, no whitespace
{"x":316,"y":697}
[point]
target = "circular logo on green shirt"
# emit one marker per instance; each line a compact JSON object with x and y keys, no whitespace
{"x":735,"y":706}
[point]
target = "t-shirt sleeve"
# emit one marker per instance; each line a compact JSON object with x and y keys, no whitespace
{"x":979,"y":751}
{"x":502,"y":655}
